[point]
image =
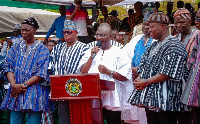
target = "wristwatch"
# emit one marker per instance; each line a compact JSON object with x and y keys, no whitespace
{"x":25,"y":85}
{"x":111,"y":73}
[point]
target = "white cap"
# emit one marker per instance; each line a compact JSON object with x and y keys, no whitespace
{"x":17,"y":26}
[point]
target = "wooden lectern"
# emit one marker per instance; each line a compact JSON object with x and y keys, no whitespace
{"x":79,"y":90}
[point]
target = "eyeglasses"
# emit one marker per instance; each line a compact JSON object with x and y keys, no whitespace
{"x":197,"y":18}
{"x":144,"y":10}
{"x":100,"y":35}
{"x":68,"y":32}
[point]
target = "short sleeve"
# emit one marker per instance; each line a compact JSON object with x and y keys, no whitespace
{"x":174,"y":64}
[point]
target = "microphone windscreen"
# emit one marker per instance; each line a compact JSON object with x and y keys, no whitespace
{"x":99,"y":43}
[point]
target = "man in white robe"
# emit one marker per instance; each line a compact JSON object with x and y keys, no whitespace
{"x":112,"y":64}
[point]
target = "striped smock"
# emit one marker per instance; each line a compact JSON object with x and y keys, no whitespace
{"x":65,"y":60}
{"x":25,"y":62}
{"x":169,"y":59}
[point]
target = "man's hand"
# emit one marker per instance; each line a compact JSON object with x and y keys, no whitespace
{"x":17,"y":89}
{"x":45,"y":41}
{"x":77,"y":8}
{"x":134,"y":72}
{"x":140,"y":84}
{"x":94,"y":50}
{"x":102,"y":69}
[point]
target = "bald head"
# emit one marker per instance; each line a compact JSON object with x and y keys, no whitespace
{"x":105,"y":24}
{"x":104,"y":30}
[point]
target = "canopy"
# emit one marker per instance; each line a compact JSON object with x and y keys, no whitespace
{"x":42,"y":4}
{"x":131,"y":2}
{"x":10,"y":16}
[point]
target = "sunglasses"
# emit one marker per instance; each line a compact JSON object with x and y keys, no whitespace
{"x":144,"y":10}
{"x":68,"y":32}
{"x":197,"y":19}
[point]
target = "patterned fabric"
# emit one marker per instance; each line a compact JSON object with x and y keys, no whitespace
{"x":80,"y":19}
{"x":168,"y":58}
{"x":183,"y":13}
{"x":159,"y":17}
{"x":189,"y":41}
{"x":2,"y":93}
{"x":26,"y":62}
{"x":139,"y":50}
{"x":47,"y":117}
{"x":32,"y":22}
{"x":66,"y":59}
{"x":113,"y":43}
{"x":190,"y":94}
{"x":68,"y":24}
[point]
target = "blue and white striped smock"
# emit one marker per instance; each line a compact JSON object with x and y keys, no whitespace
{"x":66,"y":59}
{"x":26,"y":62}
{"x":168,"y":59}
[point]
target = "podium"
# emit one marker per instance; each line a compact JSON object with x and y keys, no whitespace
{"x":79,"y":90}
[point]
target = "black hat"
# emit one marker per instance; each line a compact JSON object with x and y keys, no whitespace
{"x":113,"y":13}
{"x":32,"y":22}
{"x":149,"y":5}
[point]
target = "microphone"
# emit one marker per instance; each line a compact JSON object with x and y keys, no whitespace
{"x":99,"y":43}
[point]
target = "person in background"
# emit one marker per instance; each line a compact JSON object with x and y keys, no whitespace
{"x":79,"y":14}
{"x":190,"y":95}
{"x":50,"y":45}
{"x":180,"y":4}
{"x":63,"y":63}
{"x":197,"y":19}
{"x":57,"y":26}
{"x":114,"y":103}
{"x":106,"y":18}
{"x":162,"y":74}
{"x":191,"y":9}
{"x":8,"y":42}
{"x":138,"y":13}
{"x":117,"y":36}
{"x":138,"y":45}
{"x":128,"y":25}
{"x":169,"y":12}
{"x":26,"y":68}
{"x":114,"y":21}
{"x":157,"y":6}
{"x":182,"y":24}
{"x":47,"y":117}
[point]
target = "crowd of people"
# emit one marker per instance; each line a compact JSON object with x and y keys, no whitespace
{"x":156,"y":73}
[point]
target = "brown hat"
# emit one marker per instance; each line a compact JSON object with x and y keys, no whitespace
{"x":159,"y":17}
